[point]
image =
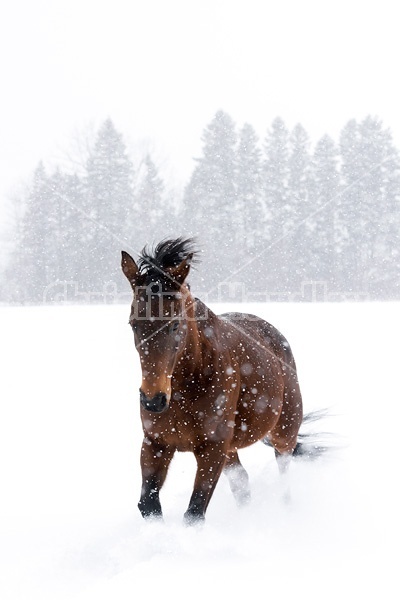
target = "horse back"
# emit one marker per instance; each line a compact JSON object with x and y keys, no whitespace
{"x":262,"y":333}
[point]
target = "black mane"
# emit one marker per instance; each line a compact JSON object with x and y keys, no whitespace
{"x":168,"y":253}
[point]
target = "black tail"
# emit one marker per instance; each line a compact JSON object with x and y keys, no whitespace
{"x":311,"y":445}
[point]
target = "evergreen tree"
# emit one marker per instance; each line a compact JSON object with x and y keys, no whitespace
{"x":34,"y":247}
{"x":11,"y":244}
{"x":249,"y":218}
{"x":67,"y":229}
{"x":379,"y":196}
{"x":276,"y":176}
{"x":349,"y":215}
{"x":44,"y":254}
{"x":369,"y":206}
{"x":57,"y":225}
{"x":387,"y":264}
{"x":276,"y":181}
{"x":250,"y":210}
{"x":324,"y":234}
{"x":298,"y":210}
{"x":210,"y":197}
{"x":108,"y":206}
{"x":149,"y":192}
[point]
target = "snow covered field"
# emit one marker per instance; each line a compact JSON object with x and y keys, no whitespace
{"x":70,"y":480}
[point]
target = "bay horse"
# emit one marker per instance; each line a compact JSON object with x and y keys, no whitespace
{"x":211,"y":385}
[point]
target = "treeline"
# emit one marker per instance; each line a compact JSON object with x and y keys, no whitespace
{"x":270,"y":216}
{"x":275,"y":215}
{"x":72,"y":229}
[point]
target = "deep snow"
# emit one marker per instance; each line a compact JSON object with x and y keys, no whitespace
{"x":69,"y":445}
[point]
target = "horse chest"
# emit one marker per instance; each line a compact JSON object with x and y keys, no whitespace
{"x":187,"y":425}
{"x":174,"y":428}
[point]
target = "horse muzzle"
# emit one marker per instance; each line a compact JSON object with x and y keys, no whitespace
{"x":157,"y":404}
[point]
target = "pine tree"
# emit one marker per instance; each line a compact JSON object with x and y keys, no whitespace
{"x":349,"y":215}
{"x":380,"y":195}
{"x":210,"y":197}
{"x":43,"y":257}
{"x":276,"y":175}
{"x":10,"y":242}
{"x":249,"y":217}
{"x":250,"y":210}
{"x":34,"y":247}
{"x":370,"y":167}
{"x":323,"y":231}
{"x":298,"y":211}
{"x":108,"y":206}
{"x":68,"y":225}
{"x":149,"y":192}
{"x":275,"y":182}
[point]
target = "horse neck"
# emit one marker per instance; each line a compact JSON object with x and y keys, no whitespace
{"x":197,"y":348}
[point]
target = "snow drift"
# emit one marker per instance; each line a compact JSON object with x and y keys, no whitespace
{"x":70,"y":438}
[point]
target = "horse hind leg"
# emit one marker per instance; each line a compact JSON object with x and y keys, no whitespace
{"x":283,"y":461}
{"x":284,"y":435}
{"x":238,"y":479}
{"x":284,"y":445}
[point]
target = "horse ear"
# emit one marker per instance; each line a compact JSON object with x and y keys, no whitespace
{"x":180,"y":272}
{"x":129,"y":268}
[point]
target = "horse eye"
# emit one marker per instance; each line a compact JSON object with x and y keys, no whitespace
{"x":174,"y":326}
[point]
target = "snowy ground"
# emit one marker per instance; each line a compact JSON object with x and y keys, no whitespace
{"x":69,"y":475}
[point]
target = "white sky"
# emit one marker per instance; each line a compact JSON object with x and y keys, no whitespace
{"x":162,"y":68}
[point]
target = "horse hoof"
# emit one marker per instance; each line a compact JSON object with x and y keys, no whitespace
{"x":193,"y":520}
{"x":243,"y":500}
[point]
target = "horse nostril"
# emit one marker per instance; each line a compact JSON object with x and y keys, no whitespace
{"x":156,"y":404}
{"x":160,"y":401}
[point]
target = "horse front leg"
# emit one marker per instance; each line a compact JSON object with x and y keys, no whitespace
{"x":210,"y":462}
{"x":154,"y":461}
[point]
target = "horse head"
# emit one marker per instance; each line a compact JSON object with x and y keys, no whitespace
{"x":159,"y":315}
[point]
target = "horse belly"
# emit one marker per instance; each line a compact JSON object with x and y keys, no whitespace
{"x":259,"y":408}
